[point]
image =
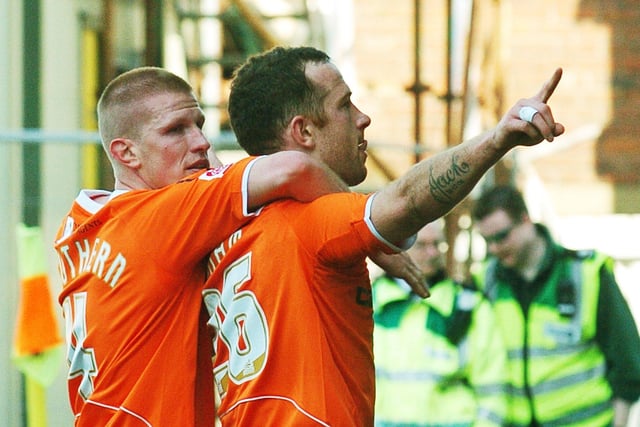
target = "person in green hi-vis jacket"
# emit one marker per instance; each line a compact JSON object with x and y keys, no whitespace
{"x":440,"y":361}
{"x":572,"y":342}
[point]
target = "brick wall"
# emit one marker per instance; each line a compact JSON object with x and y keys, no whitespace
{"x":594,"y":168}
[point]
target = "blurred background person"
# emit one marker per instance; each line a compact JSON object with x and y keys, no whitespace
{"x":572,"y":344}
{"x":439,"y":361}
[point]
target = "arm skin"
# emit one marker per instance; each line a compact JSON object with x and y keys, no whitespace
{"x":291,"y":174}
{"x":434,"y":186}
{"x":401,"y":265}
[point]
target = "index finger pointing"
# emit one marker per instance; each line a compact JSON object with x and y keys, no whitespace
{"x":550,"y":85}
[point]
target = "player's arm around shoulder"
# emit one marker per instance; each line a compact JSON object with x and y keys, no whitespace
{"x":290,"y":174}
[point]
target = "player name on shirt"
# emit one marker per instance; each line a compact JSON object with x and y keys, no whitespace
{"x":83,"y":256}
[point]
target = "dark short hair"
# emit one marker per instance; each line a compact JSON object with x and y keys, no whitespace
{"x":503,"y":197}
{"x":268,"y":90}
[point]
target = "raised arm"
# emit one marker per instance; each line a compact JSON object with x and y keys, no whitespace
{"x":291,"y":174}
{"x":434,"y":186}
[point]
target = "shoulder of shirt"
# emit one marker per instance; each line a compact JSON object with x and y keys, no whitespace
{"x":207,"y":174}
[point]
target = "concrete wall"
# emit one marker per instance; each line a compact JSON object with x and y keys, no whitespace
{"x":61,"y":163}
{"x":60,"y":168}
{"x":10,"y":183}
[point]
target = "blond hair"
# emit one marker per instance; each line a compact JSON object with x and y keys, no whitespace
{"x":122,"y":112}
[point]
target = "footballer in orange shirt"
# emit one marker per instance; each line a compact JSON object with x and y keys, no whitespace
{"x":290,"y":299}
{"x":129,"y":302}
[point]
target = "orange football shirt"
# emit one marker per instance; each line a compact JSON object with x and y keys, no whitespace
{"x":290,"y":299}
{"x":133,"y":271}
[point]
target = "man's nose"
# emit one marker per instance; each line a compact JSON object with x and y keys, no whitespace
{"x":201,"y":141}
{"x":363,"y":120}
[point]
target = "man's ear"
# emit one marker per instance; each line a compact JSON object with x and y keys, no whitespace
{"x":301,"y":132}
{"x":122,"y":151}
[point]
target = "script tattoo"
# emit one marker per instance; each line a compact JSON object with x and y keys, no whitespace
{"x":442,"y":187}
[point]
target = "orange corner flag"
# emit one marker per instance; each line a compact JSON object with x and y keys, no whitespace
{"x":37,"y":348}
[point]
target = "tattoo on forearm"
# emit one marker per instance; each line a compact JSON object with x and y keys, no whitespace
{"x":444,"y":186}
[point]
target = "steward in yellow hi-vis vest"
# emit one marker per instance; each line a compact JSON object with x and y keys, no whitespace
{"x":440,"y":361}
{"x":571,"y":340}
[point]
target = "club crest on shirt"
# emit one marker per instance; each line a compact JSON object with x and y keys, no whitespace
{"x":214,"y":173}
